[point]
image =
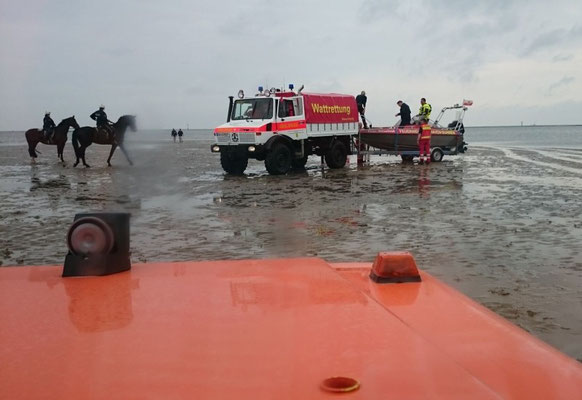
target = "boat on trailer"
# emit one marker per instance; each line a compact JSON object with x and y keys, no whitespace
{"x":402,"y":140}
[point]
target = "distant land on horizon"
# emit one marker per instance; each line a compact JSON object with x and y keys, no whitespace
{"x":520,"y":126}
{"x":466,"y":126}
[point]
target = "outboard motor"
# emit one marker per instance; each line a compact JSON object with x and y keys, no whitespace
{"x":462,"y":147}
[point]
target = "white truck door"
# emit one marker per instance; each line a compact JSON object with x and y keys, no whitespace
{"x":291,"y":117}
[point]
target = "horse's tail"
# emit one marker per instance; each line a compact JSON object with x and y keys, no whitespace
{"x":31,"y":144}
{"x":75,"y":140}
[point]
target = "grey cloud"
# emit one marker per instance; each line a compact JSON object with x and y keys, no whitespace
{"x":455,"y":11}
{"x":562,"y":57}
{"x":373,"y":10}
{"x":562,"y":82}
{"x":552,"y":38}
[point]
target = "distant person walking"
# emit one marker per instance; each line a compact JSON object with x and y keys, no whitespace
{"x":424,"y":141}
{"x":174,"y":134}
{"x":180,"y":134}
{"x":404,"y":113}
{"x":361,"y":101}
{"x":48,"y":126}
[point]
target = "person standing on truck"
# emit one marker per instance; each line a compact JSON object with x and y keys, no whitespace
{"x":424,"y":110}
{"x":424,"y":141}
{"x":361,"y":100}
{"x":404,"y":113}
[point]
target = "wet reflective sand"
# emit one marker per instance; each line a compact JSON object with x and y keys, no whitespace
{"x":501,"y":224}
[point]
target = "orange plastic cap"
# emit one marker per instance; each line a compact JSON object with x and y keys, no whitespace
{"x":394,"y":267}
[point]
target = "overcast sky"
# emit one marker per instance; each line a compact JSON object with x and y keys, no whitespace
{"x":174,"y":63}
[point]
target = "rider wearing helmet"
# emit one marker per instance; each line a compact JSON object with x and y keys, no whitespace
{"x":48,"y":125}
{"x":101,"y":118}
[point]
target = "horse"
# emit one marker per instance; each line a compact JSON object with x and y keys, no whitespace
{"x":35,"y":136}
{"x":83,"y":137}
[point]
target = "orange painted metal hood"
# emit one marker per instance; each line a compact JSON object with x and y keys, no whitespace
{"x":261,"y":329}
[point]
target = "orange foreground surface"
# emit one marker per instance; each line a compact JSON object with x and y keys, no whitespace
{"x":261,"y":329}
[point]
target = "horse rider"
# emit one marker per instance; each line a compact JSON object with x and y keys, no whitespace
{"x":424,"y":110}
{"x":48,"y":126}
{"x":102,"y":121}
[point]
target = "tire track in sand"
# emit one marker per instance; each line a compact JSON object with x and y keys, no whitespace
{"x":511,"y":155}
{"x":576,"y":159}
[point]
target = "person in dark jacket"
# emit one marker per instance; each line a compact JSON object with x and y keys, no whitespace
{"x":48,"y":126}
{"x":361,"y":101}
{"x":180,"y":134}
{"x":101,"y":118}
{"x":174,"y":134}
{"x":404,"y":113}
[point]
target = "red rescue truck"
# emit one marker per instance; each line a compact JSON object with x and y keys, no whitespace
{"x":283,"y":128}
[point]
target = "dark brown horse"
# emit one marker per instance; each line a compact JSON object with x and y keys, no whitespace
{"x":36,"y":136}
{"x":83,"y":137}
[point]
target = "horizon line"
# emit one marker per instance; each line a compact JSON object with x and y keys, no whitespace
{"x":466,"y":126}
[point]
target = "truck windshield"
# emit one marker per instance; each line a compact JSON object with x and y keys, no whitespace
{"x":252,"y":109}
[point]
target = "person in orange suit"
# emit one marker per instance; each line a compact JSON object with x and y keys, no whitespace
{"x":424,"y":141}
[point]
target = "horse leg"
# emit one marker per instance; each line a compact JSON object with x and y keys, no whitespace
{"x":113,"y":147}
{"x":83,"y":148}
{"x":60,"y":148}
{"x":32,"y":151}
{"x":77,"y":154}
{"x":122,"y":147}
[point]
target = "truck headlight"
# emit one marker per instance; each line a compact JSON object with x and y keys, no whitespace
{"x":215,"y":149}
{"x":252,"y":148}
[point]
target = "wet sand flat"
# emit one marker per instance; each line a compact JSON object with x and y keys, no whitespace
{"x":501,"y":223}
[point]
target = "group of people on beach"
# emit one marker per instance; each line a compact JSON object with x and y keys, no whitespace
{"x":179,"y":134}
{"x":423,"y":117}
{"x":99,"y":116}
{"x":404,"y":114}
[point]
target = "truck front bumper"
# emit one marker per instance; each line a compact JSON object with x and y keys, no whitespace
{"x":252,"y":150}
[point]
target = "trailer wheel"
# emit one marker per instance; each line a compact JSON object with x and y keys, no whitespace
{"x":337,"y":155}
{"x":407,"y":157}
{"x":299,"y":163}
{"x":234,"y":162}
{"x":278,"y":159}
{"x":436,"y":155}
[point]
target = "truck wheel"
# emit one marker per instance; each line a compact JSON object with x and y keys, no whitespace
{"x":299,"y":163}
{"x":436,"y":155}
{"x":234,"y":162}
{"x":337,"y":155}
{"x":407,"y":157}
{"x":278,"y":159}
